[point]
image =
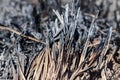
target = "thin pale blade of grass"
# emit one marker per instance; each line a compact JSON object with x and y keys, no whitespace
{"x":60,"y":17}
{"x":21,"y":73}
{"x":106,"y":48}
{"x":39,"y":74}
{"x":15,"y":75}
{"x":66,"y":13}
{"x":82,"y":58}
{"x":64,"y":68}
{"x":111,"y":55}
{"x":33,"y":64}
{"x":46,"y":64}
{"x":78,"y":72}
{"x":51,"y":71}
{"x":39,"y":62}
{"x":20,"y":34}
{"x":73,"y":64}
{"x":103,"y":75}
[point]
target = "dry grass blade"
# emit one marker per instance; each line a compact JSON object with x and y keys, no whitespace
{"x":39,"y":70}
{"x":60,"y":17}
{"x":108,"y":41}
{"x":20,"y":68}
{"x":111,"y":55}
{"x":103,"y":75}
{"x":105,"y":49}
{"x":21,"y":74}
{"x":87,"y":42}
{"x":20,"y":34}
{"x":78,"y":72}
{"x":33,"y":62}
{"x":66,"y":13}
{"x":39,"y":63}
{"x":15,"y":75}
{"x":46,"y":64}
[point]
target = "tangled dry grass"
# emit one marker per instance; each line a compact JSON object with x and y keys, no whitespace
{"x":76,"y":46}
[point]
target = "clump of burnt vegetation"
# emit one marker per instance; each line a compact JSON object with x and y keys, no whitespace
{"x":69,"y":42}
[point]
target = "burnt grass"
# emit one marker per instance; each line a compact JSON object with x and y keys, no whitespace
{"x":52,"y":40}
